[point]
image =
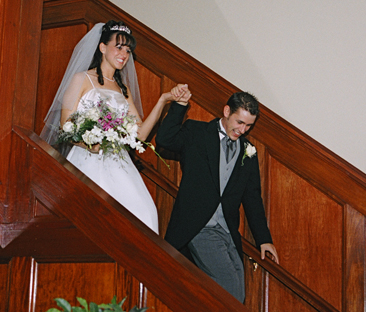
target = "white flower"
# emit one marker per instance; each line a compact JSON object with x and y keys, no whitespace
{"x":140,"y":148}
{"x":111,"y":135}
{"x":68,"y":126}
{"x":132,"y":143}
{"x":93,"y":114}
{"x":98,"y":133}
{"x":132,"y":128}
{"x":250,"y":151}
{"x":87,"y":137}
{"x":93,"y":137}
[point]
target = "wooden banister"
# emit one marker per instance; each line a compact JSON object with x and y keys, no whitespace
{"x":288,"y":280}
{"x":151,"y":173}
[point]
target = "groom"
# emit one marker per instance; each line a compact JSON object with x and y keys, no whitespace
{"x":219,"y":172}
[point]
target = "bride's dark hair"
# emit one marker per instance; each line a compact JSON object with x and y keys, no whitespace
{"x":124,"y":37}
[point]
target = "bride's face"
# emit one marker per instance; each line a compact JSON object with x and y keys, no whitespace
{"x":115,"y":54}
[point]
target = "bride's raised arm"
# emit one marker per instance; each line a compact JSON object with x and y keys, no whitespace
{"x":181,"y":93}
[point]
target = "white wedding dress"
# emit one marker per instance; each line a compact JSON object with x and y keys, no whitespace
{"x":119,"y":178}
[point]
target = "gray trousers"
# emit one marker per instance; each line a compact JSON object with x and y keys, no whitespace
{"x":214,"y":252}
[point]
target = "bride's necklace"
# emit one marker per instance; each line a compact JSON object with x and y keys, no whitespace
{"x":111,"y":80}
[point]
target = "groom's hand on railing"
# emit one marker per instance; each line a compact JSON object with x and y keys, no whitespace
{"x":272,"y":250}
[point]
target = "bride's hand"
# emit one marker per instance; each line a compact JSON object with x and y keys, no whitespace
{"x":166,"y":97}
{"x":181,"y":94}
{"x":94,"y":149}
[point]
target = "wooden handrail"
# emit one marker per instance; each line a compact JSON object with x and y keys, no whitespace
{"x":151,"y":173}
{"x":288,"y":280}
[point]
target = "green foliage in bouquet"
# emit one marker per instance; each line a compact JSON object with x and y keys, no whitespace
{"x":92,"y":307}
{"x":87,"y":125}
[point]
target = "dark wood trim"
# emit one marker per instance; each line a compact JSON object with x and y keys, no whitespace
{"x":151,"y":173}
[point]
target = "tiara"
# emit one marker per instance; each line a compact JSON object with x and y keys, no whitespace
{"x":121,"y":28}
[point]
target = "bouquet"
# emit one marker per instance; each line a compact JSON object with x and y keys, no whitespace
{"x":112,"y":129}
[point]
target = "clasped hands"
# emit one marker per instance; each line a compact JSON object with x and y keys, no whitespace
{"x":180,"y":94}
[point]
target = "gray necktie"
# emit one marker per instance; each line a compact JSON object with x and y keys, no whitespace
{"x":228,"y":145}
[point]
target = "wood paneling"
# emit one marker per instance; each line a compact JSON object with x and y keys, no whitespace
{"x":20,"y":206}
{"x":150,"y":89}
{"x":312,"y":161}
{"x":95,"y":282}
{"x":354,"y":270}
{"x":154,"y":303}
{"x":284,"y":300}
{"x":9,"y":34}
{"x":253,"y":286}
{"x":128,"y":286}
{"x":56,"y":49}
{"x":20,"y":34}
{"x":21,"y":278}
{"x":3,"y":287}
{"x":27,"y":62}
{"x":307,"y":226}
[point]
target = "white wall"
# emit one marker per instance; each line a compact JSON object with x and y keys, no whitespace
{"x":305,"y":60}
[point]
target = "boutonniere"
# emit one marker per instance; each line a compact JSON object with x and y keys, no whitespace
{"x":250,"y":151}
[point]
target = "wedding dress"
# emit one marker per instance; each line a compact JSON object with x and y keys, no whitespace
{"x":119,"y":178}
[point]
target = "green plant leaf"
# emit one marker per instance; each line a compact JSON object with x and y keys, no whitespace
{"x":93,"y":307}
{"x":64,"y":304}
{"x":53,"y":310}
{"x":122,"y":302}
{"x":104,"y":306}
{"x":114,"y":299}
{"x":77,"y":309}
{"x":115,"y":307}
{"x":84,"y":303}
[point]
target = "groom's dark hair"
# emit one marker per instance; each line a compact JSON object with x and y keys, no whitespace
{"x":243,"y":100}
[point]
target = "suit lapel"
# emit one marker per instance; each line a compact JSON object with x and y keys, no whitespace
{"x":213,"y":151}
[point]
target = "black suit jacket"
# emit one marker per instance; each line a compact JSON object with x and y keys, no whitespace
{"x":198,"y":144}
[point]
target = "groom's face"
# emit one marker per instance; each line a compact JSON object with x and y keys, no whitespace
{"x":236,"y":124}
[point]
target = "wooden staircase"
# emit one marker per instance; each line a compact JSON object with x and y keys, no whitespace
{"x":63,"y":236}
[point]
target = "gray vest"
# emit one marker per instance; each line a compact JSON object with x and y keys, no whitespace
{"x":225,"y":173}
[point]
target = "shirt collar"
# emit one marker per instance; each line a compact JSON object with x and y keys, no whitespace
{"x":222,"y":128}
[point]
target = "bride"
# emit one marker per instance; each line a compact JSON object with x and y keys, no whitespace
{"x":107,"y":73}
